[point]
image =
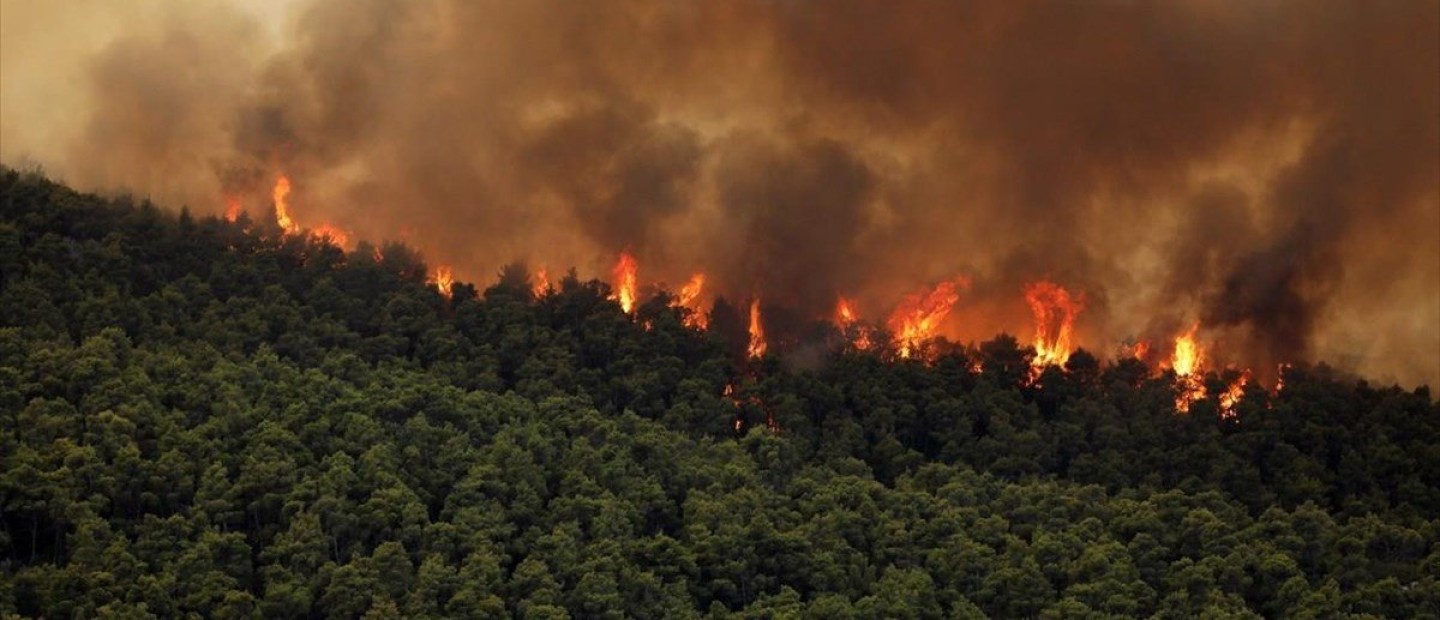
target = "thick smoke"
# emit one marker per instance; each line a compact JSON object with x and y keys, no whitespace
{"x":1267,"y":169}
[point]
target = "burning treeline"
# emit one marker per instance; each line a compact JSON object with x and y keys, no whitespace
{"x":1081,"y":174}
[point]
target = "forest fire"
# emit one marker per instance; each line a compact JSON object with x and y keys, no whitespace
{"x":1055,"y":310}
{"x":919,"y":315}
{"x":281,"y":196}
{"x":444,"y":280}
{"x":689,"y":297}
{"x":756,"y":348}
{"x":333,"y":234}
{"x":624,"y":284}
{"x":540,"y":283}
{"x":233,"y":209}
{"x":1185,"y":362}
{"x":848,"y":321}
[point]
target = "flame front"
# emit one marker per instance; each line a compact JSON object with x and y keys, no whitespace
{"x":443,"y":280}
{"x":1055,"y":310}
{"x":541,"y":283}
{"x":917,"y":318}
{"x":690,"y":298}
{"x":846,"y":319}
{"x":1185,"y":361}
{"x":757,"y":331}
{"x":625,"y":283}
{"x":1232,"y":395}
{"x":281,"y":194}
{"x":1188,"y":356}
{"x":233,"y":208}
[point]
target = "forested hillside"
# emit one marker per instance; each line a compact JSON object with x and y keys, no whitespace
{"x":208,"y":418}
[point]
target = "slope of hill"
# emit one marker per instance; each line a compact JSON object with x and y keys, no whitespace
{"x":215,"y":419}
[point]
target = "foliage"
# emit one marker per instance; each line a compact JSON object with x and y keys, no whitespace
{"x":206,"y":418}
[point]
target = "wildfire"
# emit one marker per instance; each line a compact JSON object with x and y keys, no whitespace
{"x":443,"y":280}
{"x":335,"y":235}
{"x":281,"y":195}
{"x":846,"y":319}
{"x":1232,"y":395}
{"x":917,"y":317}
{"x":625,"y":282}
{"x":1188,"y":356}
{"x":541,"y":283}
{"x":690,"y":298}
{"x":757,"y":331}
{"x":1185,"y":361}
{"x":1054,"y":309}
{"x":233,"y":209}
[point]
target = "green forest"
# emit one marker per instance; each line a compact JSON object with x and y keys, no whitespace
{"x":212,"y":419}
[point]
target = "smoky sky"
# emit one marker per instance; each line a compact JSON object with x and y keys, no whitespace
{"x":1267,"y":169}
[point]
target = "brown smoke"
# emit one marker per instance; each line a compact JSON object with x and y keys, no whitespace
{"x":1269,"y":169}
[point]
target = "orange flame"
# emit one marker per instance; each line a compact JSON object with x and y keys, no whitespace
{"x":335,"y":235}
{"x":690,"y":298}
{"x":757,"y":331}
{"x":917,"y":317}
{"x":1186,"y":362}
{"x":625,"y":282}
{"x":233,"y":209}
{"x":282,"y":205}
{"x":1232,"y":395}
{"x":443,"y":280}
{"x":1188,"y":356}
{"x":541,"y":283}
{"x":1054,"y":309}
{"x":846,"y":319}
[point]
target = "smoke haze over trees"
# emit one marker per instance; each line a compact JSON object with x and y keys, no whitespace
{"x":222,"y":419}
{"x":1268,"y":170}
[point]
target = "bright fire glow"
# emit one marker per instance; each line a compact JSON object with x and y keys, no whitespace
{"x":1187,"y":356}
{"x":1232,"y":395}
{"x":541,"y":283}
{"x":335,"y":235}
{"x":690,"y":298}
{"x":625,"y":283}
{"x":917,"y":317}
{"x":757,"y":331}
{"x":443,"y":280}
{"x":233,"y":209}
{"x":1054,"y":309}
{"x":847,"y":320}
{"x":281,"y":195}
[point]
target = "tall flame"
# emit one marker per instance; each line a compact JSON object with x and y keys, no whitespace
{"x":541,"y":283}
{"x":1187,"y":356}
{"x":281,"y":195}
{"x":625,"y":283}
{"x":917,"y":318}
{"x":1054,"y":309}
{"x":233,"y":208}
{"x":757,"y":331}
{"x":690,"y":298}
{"x":1186,"y":362}
{"x":443,"y":280}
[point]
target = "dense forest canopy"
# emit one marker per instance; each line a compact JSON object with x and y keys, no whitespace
{"x":209,"y":418}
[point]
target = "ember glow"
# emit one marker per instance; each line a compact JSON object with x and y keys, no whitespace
{"x":919,"y":315}
{"x":848,"y":321}
{"x":624,"y":286}
{"x":1054,"y":309}
{"x":757,"y":346}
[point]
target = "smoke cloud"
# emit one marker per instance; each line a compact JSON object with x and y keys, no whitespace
{"x":1270,"y":170}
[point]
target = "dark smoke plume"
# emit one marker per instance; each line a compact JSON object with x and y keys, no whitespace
{"x":1267,"y":169}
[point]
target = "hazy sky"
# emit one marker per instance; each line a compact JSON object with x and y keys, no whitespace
{"x":1268,"y":170}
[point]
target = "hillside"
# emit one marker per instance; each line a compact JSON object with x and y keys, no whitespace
{"x":218,"y":419}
